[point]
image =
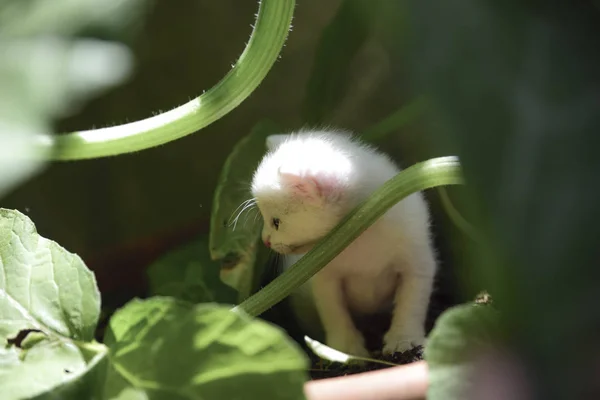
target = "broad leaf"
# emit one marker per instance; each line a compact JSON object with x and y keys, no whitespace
{"x":47,"y":73}
{"x":53,"y":369}
{"x":19,"y":158}
{"x":167,"y":349}
{"x":50,"y":306}
{"x":517,"y":87}
{"x":69,"y":17}
{"x":43,"y":286}
{"x":188,"y":273}
{"x":234,"y":232}
{"x":43,"y":79}
{"x":351,"y":62}
{"x":50,"y":77}
{"x":340,"y":42}
{"x":456,"y":337}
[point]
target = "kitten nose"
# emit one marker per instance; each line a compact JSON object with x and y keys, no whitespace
{"x":267,"y":242}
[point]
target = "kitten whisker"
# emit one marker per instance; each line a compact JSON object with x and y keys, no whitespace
{"x":248,"y":214}
{"x":256,"y":215}
{"x":238,"y":207}
{"x":246,"y":206}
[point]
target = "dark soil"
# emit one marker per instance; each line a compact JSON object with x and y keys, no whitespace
{"x":322,"y":369}
{"x":373,"y":329}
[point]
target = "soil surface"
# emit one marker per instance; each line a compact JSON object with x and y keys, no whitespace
{"x":321,"y":369}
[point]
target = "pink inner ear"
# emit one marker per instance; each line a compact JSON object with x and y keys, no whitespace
{"x":310,"y":187}
{"x":303,"y":186}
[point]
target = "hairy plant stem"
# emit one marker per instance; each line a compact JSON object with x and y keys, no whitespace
{"x":268,"y":37}
{"x":425,"y":175}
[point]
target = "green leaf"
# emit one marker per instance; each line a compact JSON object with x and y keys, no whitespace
{"x":357,"y":26}
{"x":68,"y":17}
{"x":234,"y":241}
{"x":43,"y":79}
{"x":47,"y":73}
{"x":517,"y":88}
{"x":169,"y":349}
{"x":50,"y":77}
{"x":457,"y":335}
{"x":188,"y":273}
{"x":52,"y":369}
{"x":43,"y":286}
{"x":340,"y":42}
{"x":18,"y":161}
{"x":50,"y":305}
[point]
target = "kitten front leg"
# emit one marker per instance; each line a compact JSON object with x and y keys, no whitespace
{"x":410,"y":307}
{"x":340,"y":331}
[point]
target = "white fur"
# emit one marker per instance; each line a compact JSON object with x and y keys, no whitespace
{"x":310,"y":180}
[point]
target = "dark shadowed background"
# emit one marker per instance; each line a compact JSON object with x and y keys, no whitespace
{"x":341,"y":66}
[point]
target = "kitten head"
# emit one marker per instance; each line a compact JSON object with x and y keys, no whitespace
{"x":301,"y":192}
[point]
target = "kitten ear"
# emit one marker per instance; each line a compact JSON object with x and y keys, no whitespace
{"x":313,"y":188}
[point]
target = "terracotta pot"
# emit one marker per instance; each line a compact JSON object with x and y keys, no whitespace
{"x":404,"y":382}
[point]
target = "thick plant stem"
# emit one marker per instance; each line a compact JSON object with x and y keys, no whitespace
{"x":268,"y":37}
{"x":425,"y":175}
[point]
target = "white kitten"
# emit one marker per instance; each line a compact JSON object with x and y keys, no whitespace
{"x":303,"y":187}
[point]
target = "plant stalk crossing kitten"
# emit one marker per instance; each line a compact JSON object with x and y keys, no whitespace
{"x":303,"y":187}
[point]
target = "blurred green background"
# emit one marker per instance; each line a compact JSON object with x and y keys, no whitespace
{"x":334,"y":70}
{"x":344,"y":65}
{"x":515,"y":84}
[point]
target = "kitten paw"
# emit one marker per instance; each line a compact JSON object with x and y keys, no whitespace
{"x":394,"y":343}
{"x":351,"y":343}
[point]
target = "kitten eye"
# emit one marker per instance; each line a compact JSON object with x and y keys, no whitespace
{"x":276,"y":223}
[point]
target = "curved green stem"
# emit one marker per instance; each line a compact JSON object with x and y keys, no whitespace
{"x":268,"y":37}
{"x":421,"y":176}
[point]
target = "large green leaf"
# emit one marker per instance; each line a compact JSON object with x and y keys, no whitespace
{"x":188,"y":273}
{"x":357,"y":26}
{"x":48,"y":77}
{"x":46,"y":72}
{"x":456,"y":337}
{"x":43,"y":286}
{"x":70,"y":17}
{"x":42,"y":79}
{"x":340,"y":42}
{"x":18,"y":161}
{"x":163,"y":348}
{"x":234,"y":241}
{"x":517,"y":87}
{"x":49,"y":308}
